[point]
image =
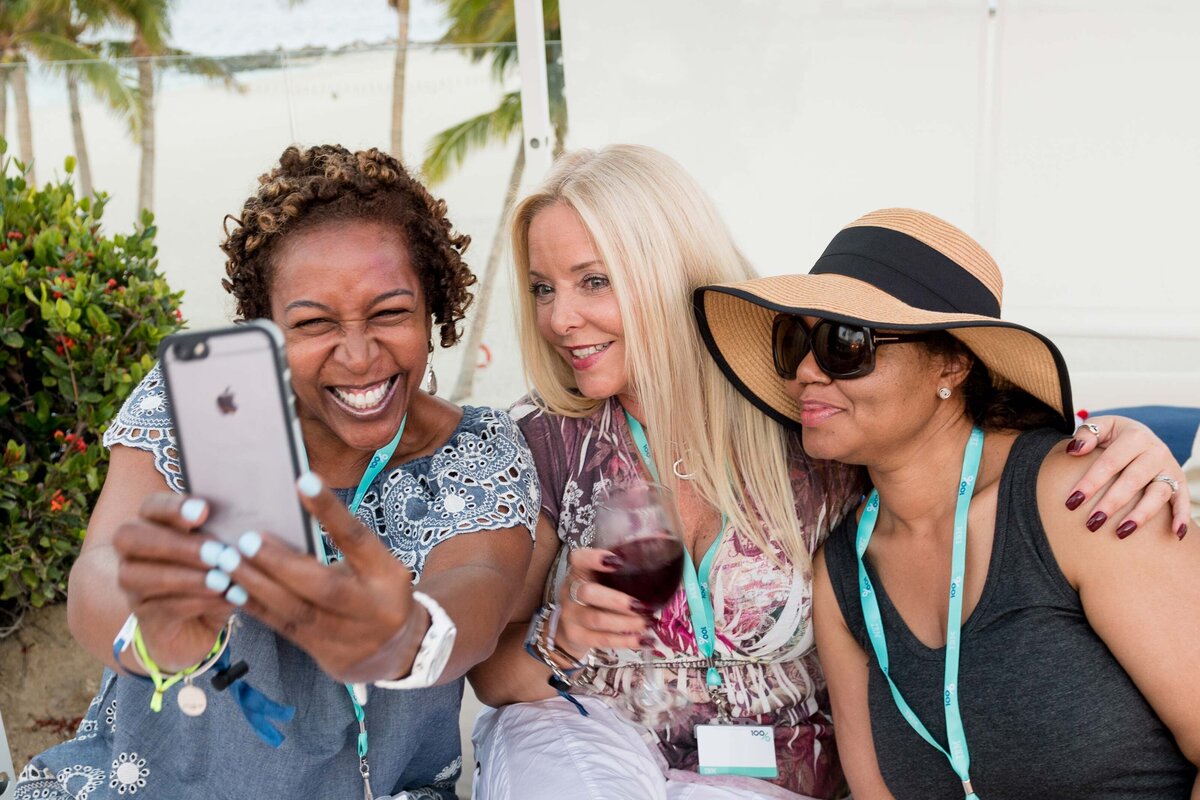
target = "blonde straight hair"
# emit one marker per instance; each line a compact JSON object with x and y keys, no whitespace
{"x":660,"y":237}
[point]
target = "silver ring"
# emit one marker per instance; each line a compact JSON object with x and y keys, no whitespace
{"x":1093,"y":427}
{"x":573,"y":591}
{"x":1169,"y":481}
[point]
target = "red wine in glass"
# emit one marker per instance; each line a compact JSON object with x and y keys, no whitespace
{"x":638,"y":523}
{"x":651,"y":569}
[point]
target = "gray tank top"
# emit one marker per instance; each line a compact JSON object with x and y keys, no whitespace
{"x":1047,"y":709}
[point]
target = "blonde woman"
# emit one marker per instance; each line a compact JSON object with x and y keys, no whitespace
{"x":610,"y":249}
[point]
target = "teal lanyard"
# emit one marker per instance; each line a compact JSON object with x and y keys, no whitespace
{"x":959,"y":757}
{"x":377,"y":464}
{"x":695,"y":586}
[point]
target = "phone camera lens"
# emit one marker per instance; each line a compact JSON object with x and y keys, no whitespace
{"x":199,"y":350}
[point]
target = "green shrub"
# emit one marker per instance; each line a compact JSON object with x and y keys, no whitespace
{"x":81,"y":314}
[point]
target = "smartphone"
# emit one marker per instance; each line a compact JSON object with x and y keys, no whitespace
{"x":239,"y":439}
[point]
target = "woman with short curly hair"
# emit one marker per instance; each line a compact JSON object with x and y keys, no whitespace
{"x":355,"y":262}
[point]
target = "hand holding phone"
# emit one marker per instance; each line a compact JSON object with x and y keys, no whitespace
{"x":240,"y":446}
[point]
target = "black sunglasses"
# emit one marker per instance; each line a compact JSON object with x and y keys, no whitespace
{"x":842,"y":350}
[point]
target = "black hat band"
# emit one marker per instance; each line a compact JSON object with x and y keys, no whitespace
{"x":907,"y":269}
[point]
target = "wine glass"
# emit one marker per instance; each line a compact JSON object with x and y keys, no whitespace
{"x":638,"y":523}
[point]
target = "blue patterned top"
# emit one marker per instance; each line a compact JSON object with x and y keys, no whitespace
{"x":481,"y":479}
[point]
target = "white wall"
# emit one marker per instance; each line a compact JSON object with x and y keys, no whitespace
{"x":1064,"y":135}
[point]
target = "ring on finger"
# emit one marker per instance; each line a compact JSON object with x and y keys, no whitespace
{"x":1092,"y":428}
{"x":573,"y":591}
{"x":1169,"y":481}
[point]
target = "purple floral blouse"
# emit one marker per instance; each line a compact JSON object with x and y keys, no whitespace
{"x":764,"y":647}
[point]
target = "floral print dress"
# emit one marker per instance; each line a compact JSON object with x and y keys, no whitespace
{"x":763,"y":608}
{"x":480,"y":480}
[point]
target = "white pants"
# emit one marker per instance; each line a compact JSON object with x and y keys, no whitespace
{"x":547,"y":749}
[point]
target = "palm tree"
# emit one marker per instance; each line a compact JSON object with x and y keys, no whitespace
{"x":75,"y":20}
{"x":150,"y":24}
{"x":493,"y":22}
{"x":398,"y":73}
{"x":20,"y":23}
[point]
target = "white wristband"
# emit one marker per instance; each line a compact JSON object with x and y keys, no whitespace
{"x":434,"y":652}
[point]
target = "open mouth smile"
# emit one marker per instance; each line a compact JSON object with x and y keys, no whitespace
{"x":363,"y":401}
{"x":584,"y":357}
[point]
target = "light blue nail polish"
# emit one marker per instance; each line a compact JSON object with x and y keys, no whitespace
{"x":249,"y":543}
{"x":192,"y":510}
{"x":237,"y":595}
{"x":210,"y":552}
{"x":229,"y":559}
{"x":216,"y":580}
{"x":309,"y":484}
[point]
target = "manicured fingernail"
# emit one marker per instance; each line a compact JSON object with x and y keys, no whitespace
{"x":216,"y":580}
{"x":229,"y":560}
{"x":237,"y":595}
{"x":1127,"y":527}
{"x":249,"y":543}
{"x":1075,"y":500}
{"x":646,"y":640}
{"x":638,"y":607}
{"x":1182,"y":532}
{"x":1096,"y":521}
{"x":309,"y":484}
{"x":613,"y":561}
{"x":1074,"y":446}
{"x":192,"y":510}
{"x":210,"y":552}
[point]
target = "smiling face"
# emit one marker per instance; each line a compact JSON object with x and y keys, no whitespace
{"x":577,"y":311}
{"x":357,"y":331}
{"x":857,"y":421}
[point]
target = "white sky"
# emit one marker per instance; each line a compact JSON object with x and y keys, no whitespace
{"x":230,"y":27}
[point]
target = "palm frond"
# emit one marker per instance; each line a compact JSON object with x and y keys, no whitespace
{"x":191,"y":64}
{"x":52,"y":47}
{"x":150,"y":20}
{"x":449,"y":148}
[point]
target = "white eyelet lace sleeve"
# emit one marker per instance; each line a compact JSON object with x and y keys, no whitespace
{"x":144,"y":423}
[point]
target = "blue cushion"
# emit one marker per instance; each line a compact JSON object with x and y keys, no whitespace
{"x":1175,"y":425}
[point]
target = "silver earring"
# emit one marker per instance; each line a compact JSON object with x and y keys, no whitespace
{"x":430,"y":379}
{"x":945,"y":392}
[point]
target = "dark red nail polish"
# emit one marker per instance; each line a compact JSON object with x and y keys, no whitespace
{"x":1127,"y":527}
{"x":1096,"y":521}
{"x":1075,"y":500}
{"x":1074,"y":446}
{"x":613,"y":561}
{"x":646,"y":640}
{"x":1182,"y":532}
{"x":639,"y":607}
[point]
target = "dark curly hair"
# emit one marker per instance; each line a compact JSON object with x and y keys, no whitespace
{"x":989,"y":406}
{"x":329,"y":183}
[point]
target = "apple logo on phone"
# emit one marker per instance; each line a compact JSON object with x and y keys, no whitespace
{"x":225,"y":402}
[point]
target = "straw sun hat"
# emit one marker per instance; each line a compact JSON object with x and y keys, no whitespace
{"x":895,"y":269}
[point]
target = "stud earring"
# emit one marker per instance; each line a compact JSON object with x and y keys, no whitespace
{"x":945,"y":392}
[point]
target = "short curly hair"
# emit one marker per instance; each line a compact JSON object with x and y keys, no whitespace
{"x":329,"y":183}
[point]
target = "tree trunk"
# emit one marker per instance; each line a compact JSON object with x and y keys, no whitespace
{"x":398,"y":80}
{"x":468,"y":368}
{"x":145,"y":70}
{"x":3,"y":100}
{"x":24,"y":123}
{"x":83,"y":165}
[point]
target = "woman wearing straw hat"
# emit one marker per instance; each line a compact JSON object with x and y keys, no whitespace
{"x":610,"y":248}
{"x":974,"y":642}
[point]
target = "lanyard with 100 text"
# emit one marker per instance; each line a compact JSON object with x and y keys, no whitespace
{"x":722,"y":749}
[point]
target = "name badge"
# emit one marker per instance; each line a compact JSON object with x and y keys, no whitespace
{"x":737,"y":750}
